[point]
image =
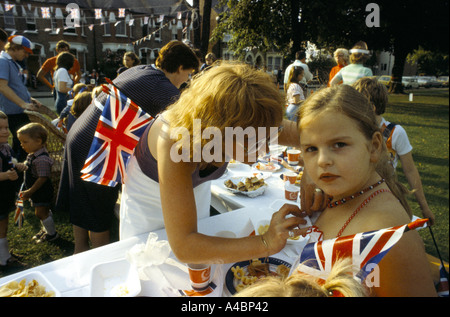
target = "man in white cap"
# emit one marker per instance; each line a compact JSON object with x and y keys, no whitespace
{"x":14,"y":95}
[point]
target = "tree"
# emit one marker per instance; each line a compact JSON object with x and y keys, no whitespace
{"x":283,"y":25}
{"x":265,"y":25}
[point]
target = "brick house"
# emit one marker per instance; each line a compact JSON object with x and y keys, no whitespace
{"x":98,"y":41}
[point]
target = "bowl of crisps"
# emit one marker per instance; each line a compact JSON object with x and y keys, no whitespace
{"x":32,"y":284}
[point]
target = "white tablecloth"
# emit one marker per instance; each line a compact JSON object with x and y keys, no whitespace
{"x":71,"y":275}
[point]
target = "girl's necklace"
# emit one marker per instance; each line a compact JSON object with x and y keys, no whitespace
{"x":345,"y":199}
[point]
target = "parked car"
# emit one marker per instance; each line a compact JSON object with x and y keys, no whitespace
{"x":443,"y":81}
{"x":409,"y":82}
{"x":385,"y":80}
{"x":428,"y":81}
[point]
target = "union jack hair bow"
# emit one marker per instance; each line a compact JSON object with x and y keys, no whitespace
{"x":365,"y":250}
{"x":118,"y":131}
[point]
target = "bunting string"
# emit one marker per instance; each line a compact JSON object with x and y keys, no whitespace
{"x":190,"y":16}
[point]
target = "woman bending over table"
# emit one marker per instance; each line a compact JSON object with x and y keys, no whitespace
{"x":167,"y":186}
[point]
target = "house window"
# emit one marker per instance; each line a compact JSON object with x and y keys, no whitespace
{"x":10,"y":23}
{"x":121,"y":28}
{"x":30,"y":21}
{"x":107,"y":27}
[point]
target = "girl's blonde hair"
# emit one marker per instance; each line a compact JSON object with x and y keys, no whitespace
{"x":340,"y":282}
{"x":229,"y":95}
{"x":348,"y":101}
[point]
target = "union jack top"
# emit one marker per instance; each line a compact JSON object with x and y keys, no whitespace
{"x":118,"y":131}
{"x":364,"y":249}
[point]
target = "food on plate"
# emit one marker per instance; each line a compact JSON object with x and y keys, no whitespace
{"x":22,"y":289}
{"x":263,"y":229}
{"x":249,"y":184}
{"x":265,"y":167}
{"x":254,"y":271}
{"x":299,"y":177}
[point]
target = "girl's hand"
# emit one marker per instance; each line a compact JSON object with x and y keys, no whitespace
{"x":312,"y":199}
{"x":280,"y":226}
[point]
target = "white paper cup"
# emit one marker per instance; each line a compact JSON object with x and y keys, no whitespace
{"x":293,"y":156}
{"x":200,"y":276}
{"x":291,"y":192}
{"x":290,"y":177}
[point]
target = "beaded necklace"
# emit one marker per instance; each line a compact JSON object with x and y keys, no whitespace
{"x":345,"y":199}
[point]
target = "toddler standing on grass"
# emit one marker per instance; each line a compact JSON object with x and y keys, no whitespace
{"x":8,"y":188}
{"x":37,"y":185}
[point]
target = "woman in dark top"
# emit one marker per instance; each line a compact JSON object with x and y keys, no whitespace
{"x":91,"y":206}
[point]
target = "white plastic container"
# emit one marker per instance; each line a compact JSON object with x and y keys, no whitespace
{"x":115,"y":279}
{"x":40,"y":278}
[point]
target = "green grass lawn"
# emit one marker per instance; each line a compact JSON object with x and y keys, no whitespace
{"x":426,"y":121}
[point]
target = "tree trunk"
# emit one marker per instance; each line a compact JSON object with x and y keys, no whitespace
{"x":400,"y":53}
{"x":206,"y":26}
{"x":295,"y":25}
{"x":197,"y":24}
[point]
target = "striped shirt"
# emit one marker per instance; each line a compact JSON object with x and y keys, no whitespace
{"x":351,"y":73}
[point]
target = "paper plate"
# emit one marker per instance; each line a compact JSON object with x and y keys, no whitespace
{"x":251,"y":194}
{"x":231,"y":282}
{"x":270,"y":167}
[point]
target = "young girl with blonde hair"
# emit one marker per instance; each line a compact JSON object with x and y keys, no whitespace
{"x":339,"y":283}
{"x":345,"y":156}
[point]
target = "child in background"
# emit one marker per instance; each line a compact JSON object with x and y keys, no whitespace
{"x":397,"y":141}
{"x":339,"y":283}
{"x":63,"y":81}
{"x":345,"y":155}
{"x":8,"y":188}
{"x":37,"y":184}
{"x":78,"y":88}
{"x":80,"y":103}
{"x":294,"y":93}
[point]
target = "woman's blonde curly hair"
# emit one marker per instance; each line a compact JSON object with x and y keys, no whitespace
{"x":228,"y":95}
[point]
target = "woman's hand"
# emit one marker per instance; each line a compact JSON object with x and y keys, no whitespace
{"x":280,"y":226}
{"x":312,"y":199}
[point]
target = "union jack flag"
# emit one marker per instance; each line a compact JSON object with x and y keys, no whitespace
{"x":118,"y":131}
{"x":121,"y":12}
{"x":19,"y":215}
{"x":98,"y":14}
{"x":45,"y":12}
{"x":364,"y":249}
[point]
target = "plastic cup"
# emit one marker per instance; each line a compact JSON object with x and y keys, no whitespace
{"x":293,"y":156}
{"x":291,"y":192}
{"x":199,"y":275}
